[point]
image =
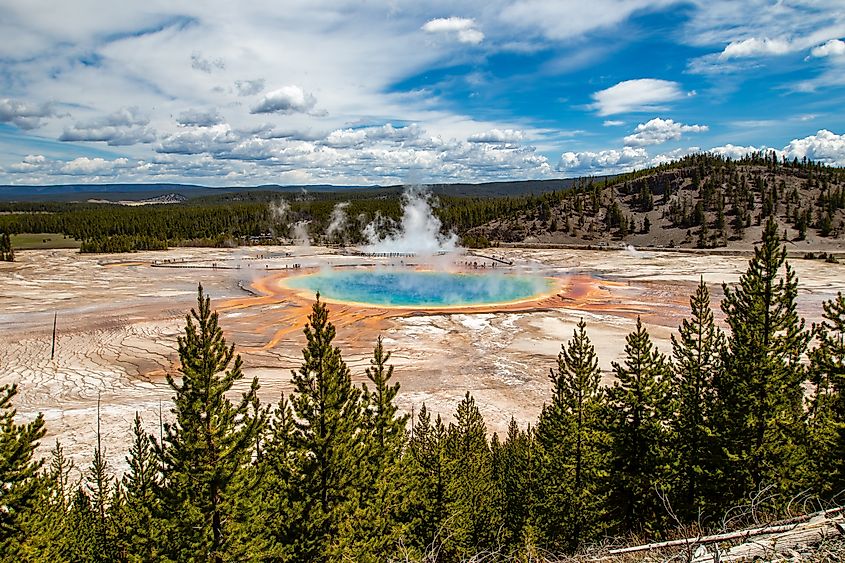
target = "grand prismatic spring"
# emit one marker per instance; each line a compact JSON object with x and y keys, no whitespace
{"x":421,"y":289}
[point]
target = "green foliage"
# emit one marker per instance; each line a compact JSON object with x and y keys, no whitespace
{"x":759,"y":390}
{"x":827,"y":405}
{"x":7,"y":254}
{"x":696,"y":363}
{"x":210,"y":441}
{"x":640,"y":405}
{"x":572,"y":451}
{"x":327,"y":440}
{"x":18,"y":470}
{"x":472,"y":521}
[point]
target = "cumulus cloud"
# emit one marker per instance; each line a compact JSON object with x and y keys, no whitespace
{"x":833,"y":48}
{"x":84,"y":166}
{"x":199,"y":118}
{"x":127,"y":126}
{"x":346,"y":138}
{"x":464,"y":29}
{"x":659,"y":131}
{"x":735,"y":152}
{"x":825,"y":146}
{"x":754,"y":47}
{"x":249,"y":87}
{"x":498,"y":136}
{"x":643,"y":94}
{"x":603,"y":162}
{"x":285,"y":100}
{"x":198,"y":62}
{"x":199,"y":140}
{"x":23,"y":115}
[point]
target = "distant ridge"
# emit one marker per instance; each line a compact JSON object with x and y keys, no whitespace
{"x":137,"y":192}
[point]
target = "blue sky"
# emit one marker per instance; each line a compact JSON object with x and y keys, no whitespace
{"x":348,"y":92}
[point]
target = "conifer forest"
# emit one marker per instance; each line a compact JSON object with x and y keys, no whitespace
{"x":743,"y":419}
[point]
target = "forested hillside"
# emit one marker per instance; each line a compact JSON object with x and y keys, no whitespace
{"x":701,"y":201}
{"x":734,"y":427}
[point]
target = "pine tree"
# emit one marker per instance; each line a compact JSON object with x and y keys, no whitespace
{"x":210,"y":441}
{"x":18,"y":470}
{"x":471,"y":520}
{"x":141,"y":490}
{"x":514,"y":468}
{"x":572,"y":450}
{"x":381,"y":519}
{"x":328,"y":438}
{"x":759,"y":391}
{"x":427,"y":471}
{"x":640,"y":405}
{"x":696,"y":362}
{"x":827,"y":406}
{"x":45,"y":530}
{"x":271,"y":506}
{"x":99,"y":490}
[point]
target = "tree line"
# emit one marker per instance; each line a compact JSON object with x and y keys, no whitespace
{"x":335,"y":472}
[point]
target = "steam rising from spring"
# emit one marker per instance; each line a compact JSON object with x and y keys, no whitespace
{"x":417,"y":233}
{"x":338,"y":220}
{"x":279,"y":210}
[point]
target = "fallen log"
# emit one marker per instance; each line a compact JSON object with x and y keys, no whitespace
{"x":774,"y":528}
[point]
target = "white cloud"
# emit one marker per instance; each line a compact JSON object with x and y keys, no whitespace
{"x":127,"y":126}
{"x":199,"y":118}
{"x":348,"y":138}
{"x":199,"y":140}
{"x":249,"y":87}
{"x":833,"y":48}
{"x":285,"y":100}
{"x":610,"y":161}
{"x":24,"y":115}
{"x":825,"y":146}
{"x":754,"y":47}
{"x":565,"y":20}
{"x":734,"y":152}
{"x":205,"y":65}
{"x":612,"y":123}
{"x":643,"y":94}
{"x":657,"y":131}
{"x":498,"y":136}
{"x":464,"y":28}
{"x":91,"y":166}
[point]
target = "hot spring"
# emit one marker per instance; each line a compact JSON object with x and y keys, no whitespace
{"x":420,"y":289}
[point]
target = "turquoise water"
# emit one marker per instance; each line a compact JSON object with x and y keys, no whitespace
{"x":420,"y":289}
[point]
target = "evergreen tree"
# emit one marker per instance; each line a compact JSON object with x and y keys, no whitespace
{"x":827,"y":406}
{"x":98,"y":490}
{"x":44,"y":530}
{"x":381,"y":519}
{"x":427,"y":471}
{"x":141,"y":490}
{"x":18,"y":470}
{"x":472,"y":520}
{"x":641,"y":405}
{"x":696,"y":362}
{"x":210,"y":441}
{"x":759,"y":390}
{"x":572,"y":450}
{"x":514,"y":467}
{"x":328,"y":439}
{"x":7,"y":253}
{"x":271,"y":506}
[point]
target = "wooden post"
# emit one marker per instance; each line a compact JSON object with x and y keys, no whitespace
{"x":53,"y":352}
